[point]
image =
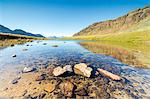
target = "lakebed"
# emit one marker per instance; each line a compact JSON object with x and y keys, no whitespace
{"x":44,"y":55}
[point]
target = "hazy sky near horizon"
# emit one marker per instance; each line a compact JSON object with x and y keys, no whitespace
{"x":62,"y":17}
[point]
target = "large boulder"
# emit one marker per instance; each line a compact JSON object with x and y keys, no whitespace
{"x":58,"y":71}
{"x":108,"y":74}
{"x":82,"y":69}
{"x":67,"y":88}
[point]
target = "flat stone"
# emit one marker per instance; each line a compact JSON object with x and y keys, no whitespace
{"x":66,"y":88}
{"x":82,"y":69}
{"x":59,"y":71}
{"x":49,"y":87}
{"x":28,"y":69}
{"x":108,"y":74}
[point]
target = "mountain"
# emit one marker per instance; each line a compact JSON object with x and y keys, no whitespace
{"x":138,"y":20}
{"x":4,"y":29}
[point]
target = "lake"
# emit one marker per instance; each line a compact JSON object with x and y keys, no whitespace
{"x":41,"y":54}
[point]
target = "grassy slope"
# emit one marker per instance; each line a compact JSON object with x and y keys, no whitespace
{"x":136,"y":42}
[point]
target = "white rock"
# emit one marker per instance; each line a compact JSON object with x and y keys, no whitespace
{"x":58,"y":71}
{"x":82,"y":69}
{"x":28,"y":69}
{"x":68,"y":68}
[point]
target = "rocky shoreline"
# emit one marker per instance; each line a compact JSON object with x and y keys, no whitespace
{"x":70,"y":82}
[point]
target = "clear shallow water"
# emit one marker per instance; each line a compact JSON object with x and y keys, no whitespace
{"x":68,"y":52}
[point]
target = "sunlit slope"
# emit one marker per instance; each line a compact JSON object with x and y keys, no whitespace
{"x":137,"y":20}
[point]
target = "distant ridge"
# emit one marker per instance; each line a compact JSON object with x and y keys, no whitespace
{"x":138,"y":20}
{"x":6,"y":30}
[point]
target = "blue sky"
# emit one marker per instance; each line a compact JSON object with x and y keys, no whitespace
{"x":62,"y":17}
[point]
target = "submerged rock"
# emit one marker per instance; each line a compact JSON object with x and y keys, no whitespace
{"x":44,"y":43}
{"x":81,"y":92}
{"x":55,"y":46}
{"x":59,"y":71}
{"x":14,"y":81}
{"x":28,"y":69}
{"x":24,"y":49}
{"x":82,"y":69}
{"x":41,"y":96}
{"x":24,"y":92}
{"x":49,"y":87}
{"x":66,"y":88}
{"x":109,"y":74}
{"x":40,"y":77}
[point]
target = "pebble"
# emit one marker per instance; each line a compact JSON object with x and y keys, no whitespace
{"x":66,"y":88}
{"x":142,"y":91}
{"x":14,"y":55}
{"x":24,"y":49}
{"x":14,"y":81}
{"x":27,"y":69}
{"x":40,"y":77}
{"x":55,"y":46}
{"x":12,"y":45}
{"x":24,"y":92}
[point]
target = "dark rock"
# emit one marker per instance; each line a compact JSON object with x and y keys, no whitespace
{"x":5,"y":89}
{"x":15,"y":80}
{"x":55,"y":46}
{"x":14,"y":55}
{"x":142,"y":91}
{"x":44,"y":43}
{"x":24,"y":49}
{"x":40,"y":77}
{"x":81,"y":92}
{"x":41,"y":96}
{"x":24,"y":92}
{"x":12,"y":45}
{"x":124,"y":80}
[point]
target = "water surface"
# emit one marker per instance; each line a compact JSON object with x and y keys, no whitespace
{"x":42,"y":54}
